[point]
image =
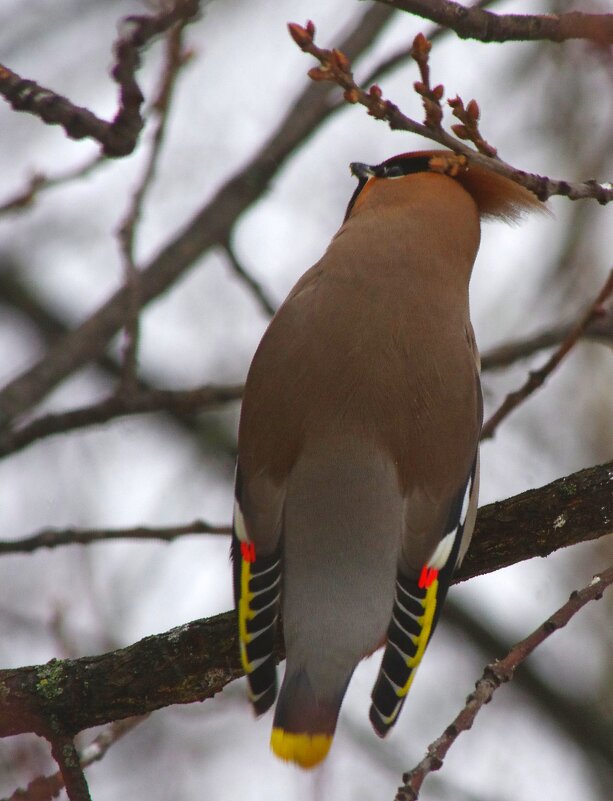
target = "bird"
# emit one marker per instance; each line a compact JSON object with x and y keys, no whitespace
{"x":357,"y":472}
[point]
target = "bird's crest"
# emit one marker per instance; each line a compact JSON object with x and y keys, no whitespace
{"x":496,"y":197}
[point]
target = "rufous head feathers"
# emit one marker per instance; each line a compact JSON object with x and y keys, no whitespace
{"x":496,"y":197}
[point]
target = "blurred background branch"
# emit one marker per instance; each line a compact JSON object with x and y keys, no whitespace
{"x":476,"y":23}
{"x":119,"y":137}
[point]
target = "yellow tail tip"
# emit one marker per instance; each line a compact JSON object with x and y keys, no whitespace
{"x":306,"y":750}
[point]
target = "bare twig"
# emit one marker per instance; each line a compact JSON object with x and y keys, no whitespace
{"x":537,"y":378}
{"x":475,"y":23}
{"x":600,"y":330}
{"x":430,"y":96}
{"x":119,"y":137}
{"x":583,"y":720}
{"x":336,"y":67}
{"x":127,"y":230}
{"x":256,"y":288}
{"x":511,"y":352}
{"x":52,"y":538}
{"x":494,"y":675}
{"x":45,"y":788}
{"x":468,"y":127}
{"x":568,"y":511}
{"x":66,"y":755}
{"x":40,"y":182}
{"x":154,"y":400}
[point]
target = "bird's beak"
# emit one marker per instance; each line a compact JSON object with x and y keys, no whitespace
{"x":361,"y":171}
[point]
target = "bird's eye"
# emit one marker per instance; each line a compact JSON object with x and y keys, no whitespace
{"x":393,"y":171}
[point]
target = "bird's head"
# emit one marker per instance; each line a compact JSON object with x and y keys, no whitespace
{"x":495,"y":196}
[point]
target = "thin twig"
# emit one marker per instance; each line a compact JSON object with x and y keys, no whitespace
{"x":494,"y":675}
{"x":537,"y":378}
{"x":53,"y":538}
{"x":600,"y":330}
{"x":127,"y":230}
{"x":474,"y":23}
{"x":154,"y":400}
{"x":256,"y":288}
{"x":582,"y":720}
{"x":40,"y":182}
{"x":45,"y":788}
{"x":336,"y":67}
{"x":119,"y":137}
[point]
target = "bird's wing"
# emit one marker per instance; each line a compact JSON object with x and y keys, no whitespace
{"x":417,"y":604}
{"x":257,"y":595}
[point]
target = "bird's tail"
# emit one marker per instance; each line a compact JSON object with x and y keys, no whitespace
{"x":342,"y":521}
{"x":304,"y":723}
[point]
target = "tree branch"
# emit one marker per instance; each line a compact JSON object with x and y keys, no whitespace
{"x":581,"y":720}
{"x":46,"y":788}
{"x":15,"y":293}
{"x":475,"y":23}
{"x":195,"y":661}
{"x":119,"y":137}
{"x":153,"y":400}
{"x":65,"y":754}
{"x":599,"y":330}
{"x":494,"y":675}
{"x":257,"y":290}
{"x":537,"y":378}
{"x":126,"y":234}
{"x":573,"y":509}
{"x":39,"y":182}
{"x":211,"y":226}
{"x":336,"y":68}
{"x":53,"y":538}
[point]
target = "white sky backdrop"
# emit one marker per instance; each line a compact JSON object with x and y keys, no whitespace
{"x":244,"y":72}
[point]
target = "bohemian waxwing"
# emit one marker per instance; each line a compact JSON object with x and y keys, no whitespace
{"x":358,"y":462}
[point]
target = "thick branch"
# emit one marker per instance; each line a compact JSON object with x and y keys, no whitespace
{"x":196,"y":661}
{"x":476,"y":23}
{"x":186,"y":664}
{"x":570,"y":510}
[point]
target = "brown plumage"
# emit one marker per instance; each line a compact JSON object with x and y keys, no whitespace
{"x":358,"y":467}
